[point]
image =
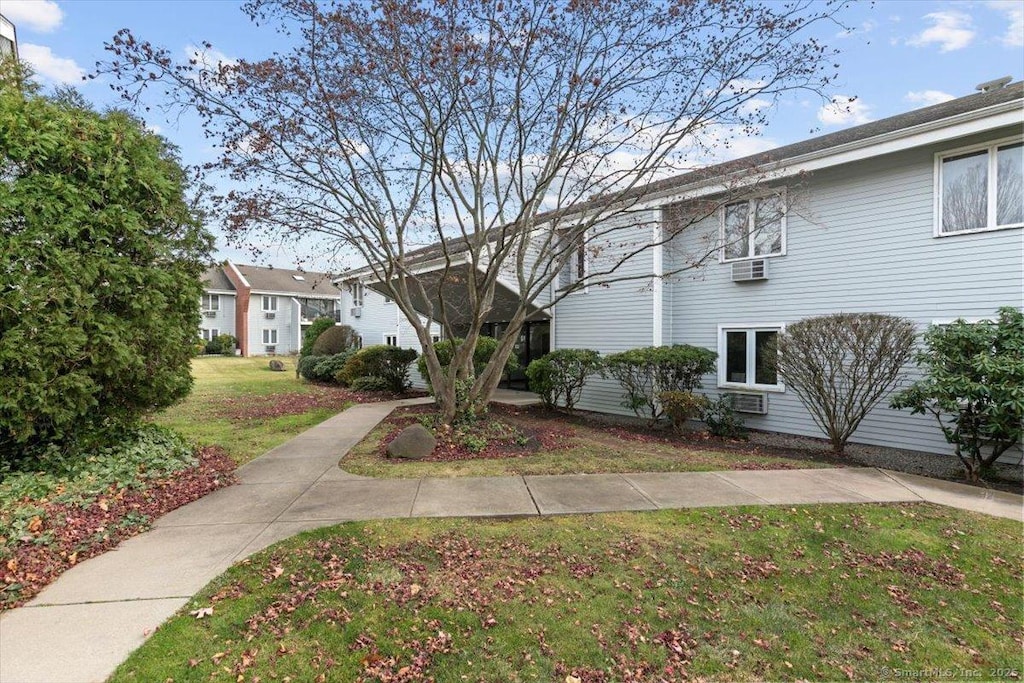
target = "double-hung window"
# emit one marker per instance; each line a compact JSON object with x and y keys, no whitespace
{"x":211,"y":302}
{"x":209,"y":334}
{"x":357,"y":294}
{"x":391,"y":339}
{"x":754,"y":228}
{"x":980,"y":188}
{"x":269,"y":336}
{"x":746,"y":357}
{"x":269,"y":304}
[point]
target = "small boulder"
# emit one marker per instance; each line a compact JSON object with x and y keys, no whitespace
{"x":412,"y":443}
{"x":276,"y":365}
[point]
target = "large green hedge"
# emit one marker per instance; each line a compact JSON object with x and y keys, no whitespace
{"x":100,"y":280}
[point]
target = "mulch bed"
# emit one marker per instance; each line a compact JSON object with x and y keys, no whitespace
{"x":505,"y":441}
{"x":296,"y":403}
{"x":65,"y":535}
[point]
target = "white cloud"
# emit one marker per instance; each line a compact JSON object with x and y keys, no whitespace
{"x":37,"y":15}
{"x":1014,"y":10}
{"x":208,"y":58}
{"x":950,"y":30}
{"x":49,"y":65}
{"x":928,"y":97}
{"x":844,"y":110}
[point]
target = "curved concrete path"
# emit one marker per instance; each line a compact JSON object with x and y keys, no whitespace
{"x":88,"y":621}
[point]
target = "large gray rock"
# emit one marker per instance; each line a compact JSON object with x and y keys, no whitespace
{"x":276,"y":365}
{"x":412,"y":443}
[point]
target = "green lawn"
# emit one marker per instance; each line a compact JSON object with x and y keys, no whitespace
{"x":864,"y":592}
{"x":591,"y":449}
{"x":220,"y":410}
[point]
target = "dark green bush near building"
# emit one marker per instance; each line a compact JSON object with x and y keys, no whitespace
{"x":322,"y":368}
{"x":485,"y":348}
{"x":721,"y":418}
{"x":646,"y":371}
{"x":387,"y":363}
{"x":313,"y":332}
{"x":559,"y":376}
{"x":102,"y":257}
{"x":973,"y":386}
{"x":222,"y":344}
{"x":335,"y":339}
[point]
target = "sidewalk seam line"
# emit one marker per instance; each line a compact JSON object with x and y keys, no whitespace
{"x":532,"y":499}
{"x":636,"y":488}
{"x":745,"y":490}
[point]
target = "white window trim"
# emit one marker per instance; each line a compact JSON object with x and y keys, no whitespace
{"x":586,"y":269}
{"x":992,"y":185}
{"x":208,"y":300}
{"x":782,"y":194}
{"x":779,"y":388}
{"x":270,"y":336}
{"x":390,"y":336}
{"x":269,"y":299}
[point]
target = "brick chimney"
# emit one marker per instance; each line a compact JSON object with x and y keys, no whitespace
{"x":243,"y":292}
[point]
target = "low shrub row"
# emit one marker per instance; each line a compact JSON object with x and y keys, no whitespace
{"x":374,"y":368}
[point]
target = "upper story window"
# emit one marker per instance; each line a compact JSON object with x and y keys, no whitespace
{"x":754,"y":227}
{"x":980,"y":188}
{"x":269,"y":303}
{"x":357,"y":293}
{"x":575,"y":268}
{"x":211,"y":302}
{"x":746,"y":357}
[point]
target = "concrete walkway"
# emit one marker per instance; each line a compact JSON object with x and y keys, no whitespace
{"x":87,"y":622}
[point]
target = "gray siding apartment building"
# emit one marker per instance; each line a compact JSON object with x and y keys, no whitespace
{"x":919,"y":215}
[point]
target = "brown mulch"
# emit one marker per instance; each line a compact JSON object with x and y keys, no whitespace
{"x":296,"y":403}
{"x":117,"y":514}
{"x":507,"y":435}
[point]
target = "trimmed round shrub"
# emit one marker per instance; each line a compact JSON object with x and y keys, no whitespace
{"x":646,"y":371}
{"x":227,"y":343}
{"x":334,"y":340}
{"x":370,"y":384}
{"x":682,"y":406}
{"x":389,"y":363}
{"x":313,"y":332}
{"x":559,"y":376}
{"x":322,"y":368}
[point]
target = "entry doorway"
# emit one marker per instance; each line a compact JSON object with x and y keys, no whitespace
{"x":534,"y":341}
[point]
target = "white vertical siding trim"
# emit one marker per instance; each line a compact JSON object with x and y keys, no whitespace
{"x":658,"y":285}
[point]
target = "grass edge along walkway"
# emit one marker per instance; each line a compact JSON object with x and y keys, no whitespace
{"x":85,"y":624}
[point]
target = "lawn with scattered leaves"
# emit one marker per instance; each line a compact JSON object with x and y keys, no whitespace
{"x":243,"y":406}
{"x":816,"y":592}
{"x":561,"y":445}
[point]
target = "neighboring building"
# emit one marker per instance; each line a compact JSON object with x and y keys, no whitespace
{"x":266,"y":309}
{"x":218,"y":304}
{"x":8,"y":39}
{"x":376,"y":318}
{"x":919,"y":215}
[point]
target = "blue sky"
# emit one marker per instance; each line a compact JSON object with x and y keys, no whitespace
{"x":898,"y":56}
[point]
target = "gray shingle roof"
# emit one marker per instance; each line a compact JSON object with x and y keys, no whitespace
{"x":214,"y":278}
{"x":917,"y":117}
{"x":284,"y":280}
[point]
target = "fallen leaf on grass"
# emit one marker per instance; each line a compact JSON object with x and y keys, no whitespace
{"x":202,"y":612}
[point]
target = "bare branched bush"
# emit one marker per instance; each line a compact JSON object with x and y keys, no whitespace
{"x":841,"y":365}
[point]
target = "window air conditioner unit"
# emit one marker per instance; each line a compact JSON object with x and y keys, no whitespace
{"x":269,"y":316}
{"x":357,"y":311}
{"x":270,"y":349}
{"x":750,"y":271}
{"x":210,"y":314}
{"x":754,"y":403}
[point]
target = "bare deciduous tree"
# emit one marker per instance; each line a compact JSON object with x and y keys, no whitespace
{"x":842,"y":365}
{"x":515,"y":136}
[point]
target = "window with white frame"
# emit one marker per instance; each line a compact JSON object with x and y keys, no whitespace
{"x":357,"y":293}
{"x":746,"y":357}
{"x":269,"y":303}
{"x":209,"y":334}
{"x":391,"y":339}
{"x":269,"y":336}
{"x":575,"y":267}
{"x":435,"y":338}
{"x":211,"y":302}
{"x":980,"y":188}
{"x":754,"y":227}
